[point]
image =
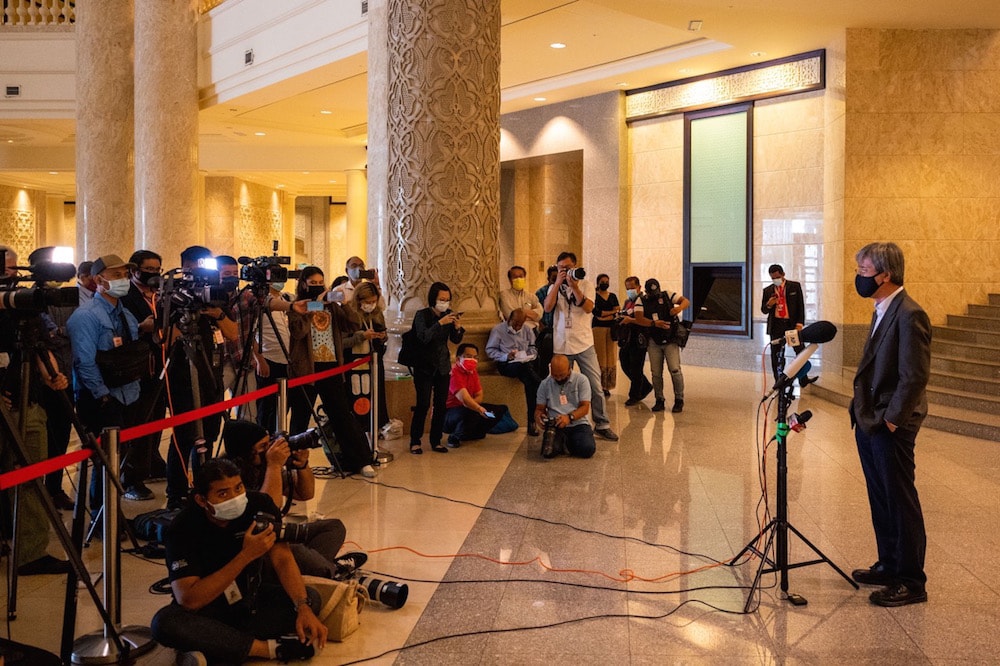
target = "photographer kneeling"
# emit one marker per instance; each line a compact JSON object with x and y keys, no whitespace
{"x":563,"y":410}
{"x":227,"y":604}
{"x":280,"y":469}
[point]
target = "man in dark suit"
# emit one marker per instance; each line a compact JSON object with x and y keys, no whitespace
{"x":785,"y":309}
{"x":889,"y":404}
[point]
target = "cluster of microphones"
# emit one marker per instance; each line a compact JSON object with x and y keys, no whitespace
{"x":812,"y":336}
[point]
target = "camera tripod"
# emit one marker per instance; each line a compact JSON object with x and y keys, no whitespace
{"x":775,"y":533}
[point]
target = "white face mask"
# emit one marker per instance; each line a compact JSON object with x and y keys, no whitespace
{"x":231,"y":509}
{"x":777,"y":283}
{"x":118,"y":288}
{"x":368,"y":307}
{"x":442,"y":306}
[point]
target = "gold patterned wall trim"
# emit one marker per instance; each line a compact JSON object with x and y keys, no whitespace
{"x":785,"y":76}
{"x":18,"y":229}
{"x":444,"y":149}
{"x":257,"y":229}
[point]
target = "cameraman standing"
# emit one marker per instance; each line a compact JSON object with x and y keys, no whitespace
{"x":212,"y":326}
{"x":33,"y":524}
{"x":227,"y":605}
{"x":105,"y":335}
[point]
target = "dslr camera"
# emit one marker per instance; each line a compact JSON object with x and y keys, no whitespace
{"x":307,"y":439}
{"x":284,"y":532}
{"x":577,"y":273}
{"x":550,"y":444}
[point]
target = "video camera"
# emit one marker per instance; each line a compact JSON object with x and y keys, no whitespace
{"x":44,"y":273}
{"x":194,"y":288}
{"x":266,"y":268}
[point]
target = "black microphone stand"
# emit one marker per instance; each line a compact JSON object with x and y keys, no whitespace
{"x":776,"y":530}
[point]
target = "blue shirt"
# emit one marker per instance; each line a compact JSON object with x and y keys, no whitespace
{"x":504,"y":339}
{"x":92,"y":328}
{"x":576,"y":390}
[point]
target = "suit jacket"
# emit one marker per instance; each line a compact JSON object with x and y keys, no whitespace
{"x":796,"y":309}
{"x":891,"y":381}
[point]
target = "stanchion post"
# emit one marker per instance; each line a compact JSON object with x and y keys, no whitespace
{"x":374,"y":374}
{"x":281,"y":415}
{"x":99,"y":647}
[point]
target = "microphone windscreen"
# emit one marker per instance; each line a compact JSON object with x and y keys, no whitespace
{"x":818,"y":332}
{"x":243,"y":261}
{"x":805,"y":416}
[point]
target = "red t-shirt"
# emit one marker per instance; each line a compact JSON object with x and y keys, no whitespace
{"x":462,"y":379}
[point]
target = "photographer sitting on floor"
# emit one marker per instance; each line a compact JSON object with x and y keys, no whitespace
{"x":563,"y":411}
{"x":271,"y":466}
{"x":227,"y":604}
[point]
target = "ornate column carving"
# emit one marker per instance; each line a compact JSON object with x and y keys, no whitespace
{"x":104,"y":129}
{"x":441,"y":223}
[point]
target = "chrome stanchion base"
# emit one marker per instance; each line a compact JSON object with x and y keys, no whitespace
{"x":96,"y":648}
{"x":384,"y":457}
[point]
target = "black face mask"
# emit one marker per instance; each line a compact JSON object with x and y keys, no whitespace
{"x":314,"y":291}
{"x":145,"y":277}
{"x":652,"y":290}
{"x":230,"y":284}
{"x":865,"y":286}
{"x":603,"y":286}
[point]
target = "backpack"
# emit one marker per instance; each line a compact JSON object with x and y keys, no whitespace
{"x":408,"y":349}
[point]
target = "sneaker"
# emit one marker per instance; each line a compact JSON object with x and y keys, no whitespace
{"x":453,"y":442}
{"x":607,"y":433}
{"x":290,"y":648}
{"x":659,"y":406}
{"x":368,"y":472}
{"x":44,"y":565}
{"x":191,"y":659}
{"x":607,"y":393}
{"x":632,"y":401}
{"x":138,"y":493}
{"x":678,"y":406}
{"x":348,"y":564}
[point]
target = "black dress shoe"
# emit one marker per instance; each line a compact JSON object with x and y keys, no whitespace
{"x":63,"y":501}
{"x":873,"y":576}
{"x":532,"y":430}
{"x":898,"y":595}
{"x":806,"y":381}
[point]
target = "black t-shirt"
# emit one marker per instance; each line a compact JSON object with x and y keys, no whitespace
{"x":198,"y":547}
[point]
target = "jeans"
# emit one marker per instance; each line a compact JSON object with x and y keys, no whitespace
{"x":466,"y":425}
{"x":527,"y":375}
{"x":579,"y":440}
{"x":587,"y":360}
{"x":134,"y":462}
{"x":607,"y":359}
{"x":317,"y":556}
{"x":227,"y":637}
{"x":59,"y":424}
{"x":672,"y":354}
{"x":633,"y":360}
{"x":425,"y":383}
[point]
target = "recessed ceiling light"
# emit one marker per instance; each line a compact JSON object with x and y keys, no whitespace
{"x":326,"y":112}
{"x":10,"y":140}
{"x":694,"y":26}
{"x":539,"y":99}
{"x":53,"y":173}
{"x":279,"y":186}
{"x":757,"y":54}
{"x":557,"y":45}
{"x":622,"y":84}
{"x":333,"y":181}
{"x":305,"y":173}
{"x":684,"y":70}
{"x":260,"y":133}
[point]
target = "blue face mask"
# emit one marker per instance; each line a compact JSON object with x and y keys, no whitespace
{"x":277,"y":286}
{"x":118,"y":288}
{"x":632,"y":294}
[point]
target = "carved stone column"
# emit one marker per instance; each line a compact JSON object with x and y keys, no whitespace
{"x":166,"y":128}
{"x":442,"y":167}
{"x":104,"y":128}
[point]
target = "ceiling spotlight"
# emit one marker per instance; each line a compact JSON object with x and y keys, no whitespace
{"x":260,"y":133}
{"x":622,"y":84}
{"x":539,"y":99}
{"x":694,"y":26}
{"x":53,"y":173}
{"x":333,"y":181}
{"x":279,"y":186}
{"x":326,"y":112}
{"x":757,"y":54}
{"x":557,"y":45}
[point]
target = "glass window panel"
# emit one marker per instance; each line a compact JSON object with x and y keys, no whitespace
{"x":718,"y":201}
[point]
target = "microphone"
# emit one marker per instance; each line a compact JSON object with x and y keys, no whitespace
{"x":798,"y":421}
{"x":792,"y":338}
{"x":243,"y":261}
{"x":812,"y":335}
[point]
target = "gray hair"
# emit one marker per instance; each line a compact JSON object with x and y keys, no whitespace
{"x":886,"y":258}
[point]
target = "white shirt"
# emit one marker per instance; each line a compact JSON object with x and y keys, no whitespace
{"x":882,"y":306}
{"x":571,"y":331}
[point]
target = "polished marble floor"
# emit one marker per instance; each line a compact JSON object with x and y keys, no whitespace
{"x":623,"y":559}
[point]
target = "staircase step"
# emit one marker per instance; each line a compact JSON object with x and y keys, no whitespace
{"x":952,"y":349}
{"x":994,"y":299}
{"x":975,"y":323}
{"x":973,"y":368}
{"x":989,"y":311}
{"x":963,"y":382}
{"x":974,"y":402}
{"x":968,"y":335}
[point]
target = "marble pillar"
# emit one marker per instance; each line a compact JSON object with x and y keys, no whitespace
{"x":440,"y":89}
{"x":166,"y":127}
{"x":104,"y":128}
{"x":357,"y":216}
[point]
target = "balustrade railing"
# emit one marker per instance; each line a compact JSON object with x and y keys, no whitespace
{"x":38,"y":13}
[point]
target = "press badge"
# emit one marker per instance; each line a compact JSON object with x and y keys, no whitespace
{"x":217,"y":335}
{"x":116,"y":341}
{"x":562,"y":399}
{"x":233,"y":593}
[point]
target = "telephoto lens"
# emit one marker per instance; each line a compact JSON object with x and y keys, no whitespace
{"x":310,"y":439}
{"x":577,"y":273}
{"x":387,"y":592}
{"x":549,"y":449}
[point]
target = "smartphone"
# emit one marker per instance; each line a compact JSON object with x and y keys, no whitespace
{"x":458,"y":314}
{"x":489,"y":415}
{"x":314,"y":306}
{"x":367,"y":275}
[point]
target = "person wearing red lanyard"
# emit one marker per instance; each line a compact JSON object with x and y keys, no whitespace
{"x":785,"y":309}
